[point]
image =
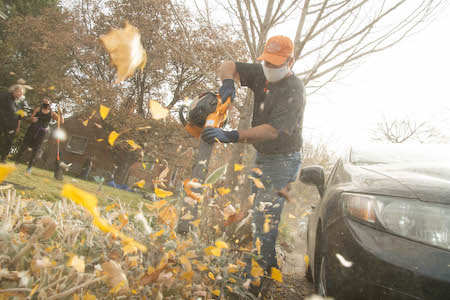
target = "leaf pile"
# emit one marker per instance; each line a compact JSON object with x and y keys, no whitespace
{"x":57,"y":251}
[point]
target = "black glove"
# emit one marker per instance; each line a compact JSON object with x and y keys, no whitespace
{"x":227,"y":90}
{"x":212,"y":134}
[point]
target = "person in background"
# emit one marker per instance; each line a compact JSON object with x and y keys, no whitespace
{"x":276,"y":134}
{"x":12,"y":109}
{"x":86,"y":169}
{"x":35,"y":135}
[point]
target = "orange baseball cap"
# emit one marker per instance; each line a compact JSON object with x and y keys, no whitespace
{"x":277,"y":50}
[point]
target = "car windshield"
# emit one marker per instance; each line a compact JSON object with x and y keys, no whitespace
{"x":399,"y":153}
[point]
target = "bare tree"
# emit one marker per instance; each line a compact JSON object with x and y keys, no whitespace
{"x":406,"y":130}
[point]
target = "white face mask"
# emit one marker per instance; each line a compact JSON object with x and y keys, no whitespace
{"x":274,"y":75}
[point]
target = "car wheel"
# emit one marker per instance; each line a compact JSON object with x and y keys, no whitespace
{"x":322,"y":286}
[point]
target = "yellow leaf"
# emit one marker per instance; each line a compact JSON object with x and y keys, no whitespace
{"x":89,"y":201}
{"x":168,"y":215}
{"x":129,"y":248}
{"x":202,"y":267}
{"x":81,"y":197}
{"x":162,"y":193}
{"x":49,"y":249}
{"x":113,"y":137}
{"x":140,"y":183}
{"x":159,"y":204}
{"x":292,"y":216}
{"x":232,"y":270}
{"x":76,"y":297}
{"x":256,"y":271}
{"x":76,"y":263}
{"x":230,"y":288}
{"x":118,"y":286}
{"x":304,"y":214}
{"x":240,"y":263}
{"x":159,"y":233}
{"x":223,"y":191}
{"x":276,"y":275}
{"x":257,"y":171}
{"x":306,"y":258}
{"x":196,"y":222}
{"x":142,"y":128}
{"x":126,"y":51}
{"x":21,"y":113}
{"x":109,"y":207}
{"x":216,"y":292}
{"x":51,"y":88}
{"x":85,"y":123}
{"x":238,"y":167}
{"x":258,"y":245}
{"x":232,"y":280}
{"x":158,"y":111}
{"x":258,"y":183}
{"x":88,"y":296}
{"x":211,"y":275}
{"x":133,"y":145}
{"x":266,"y":226}
{"x":104,"y":111}
{"x":185,"y":261}
{"x":33,"y":291}
{"x":5,"y":170}
{"x":144,"y":166}
{"x":100,"y":140}
{"x":216,"y":252}
{"x":221,"y":245}
{"x":187,"y":275}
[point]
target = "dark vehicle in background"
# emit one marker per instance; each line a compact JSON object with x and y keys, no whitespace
{"x":382,"y":227}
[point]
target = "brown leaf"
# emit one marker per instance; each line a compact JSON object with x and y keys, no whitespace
{"x":116,"y":276}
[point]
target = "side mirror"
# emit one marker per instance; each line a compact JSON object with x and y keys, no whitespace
{"x":314,"y":175}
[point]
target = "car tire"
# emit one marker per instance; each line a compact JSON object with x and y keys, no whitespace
{"x":322,"y":275}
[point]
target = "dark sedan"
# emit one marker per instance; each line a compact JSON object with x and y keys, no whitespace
{"x":382,"y":228}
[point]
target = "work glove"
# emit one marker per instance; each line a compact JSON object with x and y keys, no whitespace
{"x":227,"y":90}
{"x":212,"y":134}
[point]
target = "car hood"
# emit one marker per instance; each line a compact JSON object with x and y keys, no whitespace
{"x":430,"y":182}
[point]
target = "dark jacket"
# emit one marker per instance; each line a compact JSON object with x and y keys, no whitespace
{"x":8,"y":111}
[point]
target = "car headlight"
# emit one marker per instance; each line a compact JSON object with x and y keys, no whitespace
{"x":425,"y":222}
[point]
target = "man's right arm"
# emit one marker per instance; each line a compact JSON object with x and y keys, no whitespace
{"x":228,"y":71}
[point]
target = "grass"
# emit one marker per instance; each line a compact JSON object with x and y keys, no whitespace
{"x":48,"y":188}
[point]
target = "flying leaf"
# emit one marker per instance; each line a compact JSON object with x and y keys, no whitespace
{"x":168,"y":215}
{"x":104,"y":111}
{"x":133,"y":145}
{"x":276,"y":275}
{"x":158,"y":111}
{"x":223,"y":191}
{"x":222,"y":245}
{"x":196,"y":222}
{"x":140,"y":183}
{"x":76,"y":263}
{"x":126,"y":50}
{"x":240,"y":263}
{"x":162,"y":193}
{"x":113,"y":137}
{"x":142,"y":128}
{"x":292,"y":216}
{"x":306,"y":259}
{"x":159,"y":233}
{"x":266,"y":226}
{"x":21,"y":113}
{"x":257,"y":171}
{"x":85,"y":123}
{"x":238,"y":167}
{"x":144,"y":166}
{"x":258,"y":245}
{"x":51,"y":88}
{"x":159,"y":204}
{"x":216,"y":292}
{"x":257,"y":182}
{"x":216,"y":175}
{"x":82,"y":198}
{"x":211,"y":275}
{"x":256,"y":270}
{"x":100,"y":140}
{"x":98,"y":125}
{"x":5,"y":170}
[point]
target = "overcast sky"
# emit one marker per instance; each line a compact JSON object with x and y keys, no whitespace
{"x":411,"y":79}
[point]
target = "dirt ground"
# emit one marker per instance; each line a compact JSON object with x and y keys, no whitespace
{"x":294,"y":286}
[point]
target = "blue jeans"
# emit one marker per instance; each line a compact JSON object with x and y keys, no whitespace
{"x":277,"y":172}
